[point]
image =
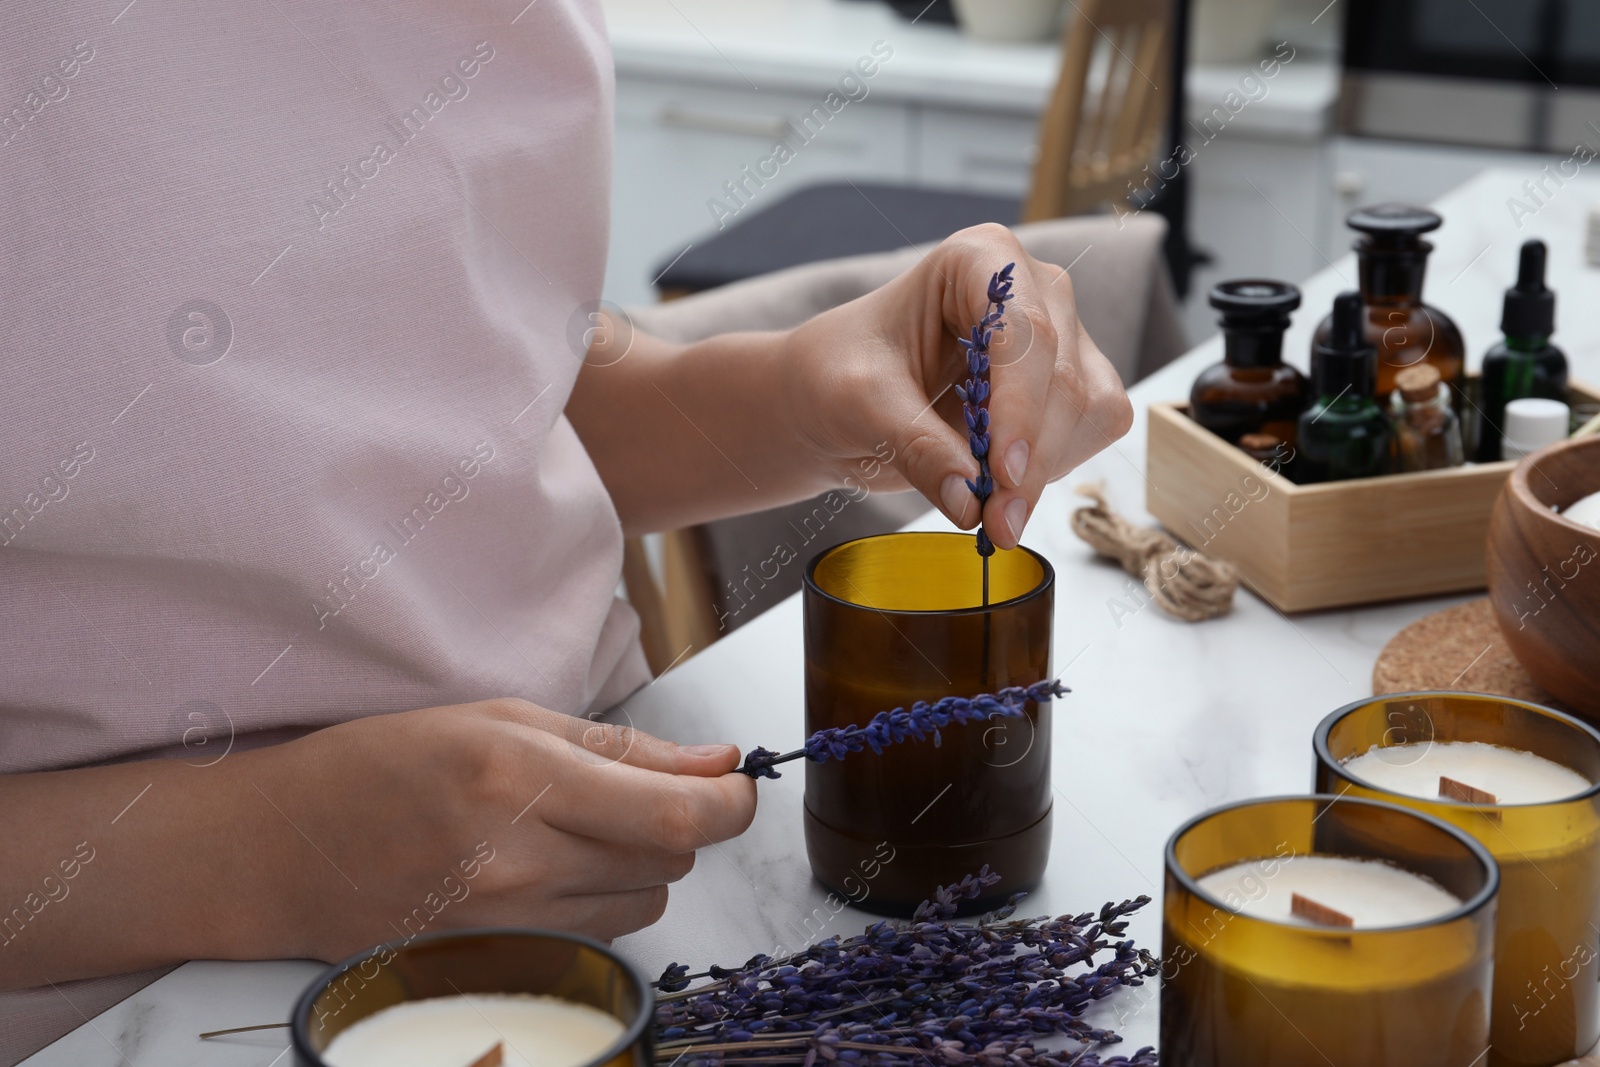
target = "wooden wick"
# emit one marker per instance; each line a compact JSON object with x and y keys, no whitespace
{"x":1309,"y":910}
{"x":493,"y":1058}
{"x":1451,"y":789}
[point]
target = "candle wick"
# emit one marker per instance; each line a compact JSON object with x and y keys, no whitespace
{"x":1320,"y":914}
{"x":1450,"y":789}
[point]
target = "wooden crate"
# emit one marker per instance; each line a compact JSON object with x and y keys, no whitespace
{"x":1303,"y":547}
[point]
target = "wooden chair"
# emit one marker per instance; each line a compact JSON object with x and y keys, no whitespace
{"x":675,"y":601}
{"x":1093,"y":144}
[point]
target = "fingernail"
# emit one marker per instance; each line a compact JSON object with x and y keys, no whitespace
{"x":957,"y":498}
{"x":704,"y":751}
{"x":1016,"y":516}
{"x":1017,"y":462}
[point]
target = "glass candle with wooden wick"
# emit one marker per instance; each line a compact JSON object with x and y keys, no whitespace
{"x":1323,"y":932}
{"x":1521,"y":778}
{"x":477,"y":998}
{"x":893,"y":619}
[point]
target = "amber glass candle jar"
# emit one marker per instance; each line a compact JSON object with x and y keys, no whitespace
{"x":498,"y":961}
{"x":1239,"y":989}
{"x":898,"y":618}
{"x":1547,"y":965}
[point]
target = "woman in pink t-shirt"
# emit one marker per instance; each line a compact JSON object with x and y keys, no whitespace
{"x":293,"y":436}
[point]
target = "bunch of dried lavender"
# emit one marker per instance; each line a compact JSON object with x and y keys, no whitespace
{"x":897,"y":726}
{"x":931,"y":991}
{"x":974,"y":394}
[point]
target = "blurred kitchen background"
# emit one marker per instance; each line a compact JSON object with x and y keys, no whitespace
{"x":757,"y":136}
{"x":1367,"y":101}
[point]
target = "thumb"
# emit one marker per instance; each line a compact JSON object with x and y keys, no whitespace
{"x":610,"y":742}
{"x":621,"y":743}
{"x":935,"y":458}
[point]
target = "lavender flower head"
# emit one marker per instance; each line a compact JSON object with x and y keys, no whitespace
{"x":974,"y":394}
{"x":900,"y":725}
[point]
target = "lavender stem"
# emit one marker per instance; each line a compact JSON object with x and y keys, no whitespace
{"x":974,"y":394}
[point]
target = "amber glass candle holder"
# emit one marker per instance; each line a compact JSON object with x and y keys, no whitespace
{"x":1242,"y":990}
{"x":1547,"y":965}
{"x":898,"y":618}
{"x":450,"y":964}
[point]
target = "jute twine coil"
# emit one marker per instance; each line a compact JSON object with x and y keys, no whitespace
{"x":1182,"y":582}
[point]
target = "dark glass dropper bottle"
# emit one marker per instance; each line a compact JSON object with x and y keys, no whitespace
{"x":1393,"y":258}
{"x":1345,"y":434}
{"x":1525,"y":363}
{"x":1252,"y":390}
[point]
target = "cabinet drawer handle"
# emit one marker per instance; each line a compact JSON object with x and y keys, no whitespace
{"x":686,"y":119}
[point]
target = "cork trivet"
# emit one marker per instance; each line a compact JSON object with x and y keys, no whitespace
{"x":1457,"y":648}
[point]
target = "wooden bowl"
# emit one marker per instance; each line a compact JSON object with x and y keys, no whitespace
{"x":1544,"y":572}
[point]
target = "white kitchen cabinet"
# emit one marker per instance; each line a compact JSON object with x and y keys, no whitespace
{"x":1259,"y":208}
{"x":983,"y":151}
{"x":683,"y":148}
{"x":1369,"y":171}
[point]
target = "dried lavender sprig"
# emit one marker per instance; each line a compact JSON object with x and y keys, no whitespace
{"x":1001,"y":933}
{"x":899,"y":725}
{"x":969,"y":994}
{"x":974,"y":394}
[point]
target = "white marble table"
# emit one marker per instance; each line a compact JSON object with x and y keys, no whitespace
{"x":1165,"y":719}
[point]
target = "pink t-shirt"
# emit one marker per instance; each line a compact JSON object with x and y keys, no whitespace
{"x":287,"y":291}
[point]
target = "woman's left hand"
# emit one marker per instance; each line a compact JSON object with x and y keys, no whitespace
{"x":879,"y":371}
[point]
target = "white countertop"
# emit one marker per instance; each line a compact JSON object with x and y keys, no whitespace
{"x":1165,"y":719}
{"x":807,"y":44}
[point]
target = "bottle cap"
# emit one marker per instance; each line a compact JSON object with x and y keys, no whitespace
{"x":1418,"y":382}
{"x":1532,"y":423}
{"x":1394,"y":225}
{"x":1246,"y":300}
{"x":1530,"y":308}
{"x":1255,"y":312}
{"x":1347,"y":363}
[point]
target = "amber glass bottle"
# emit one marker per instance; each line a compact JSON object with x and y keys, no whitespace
{"x":1392,"y":258}
{"x":1252,"y":390}
{"x":898,"y":618}
{"x":1427,"y":433}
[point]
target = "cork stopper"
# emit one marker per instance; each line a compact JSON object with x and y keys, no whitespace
{"x":1259,"y":442}
{"x":1418,"y":382}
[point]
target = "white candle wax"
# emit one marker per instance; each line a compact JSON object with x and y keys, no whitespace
{"x":1371,"y":892}
{"x":1585,"y":511}
{"x":533,"y":1031}
{"x":1510,"y":774}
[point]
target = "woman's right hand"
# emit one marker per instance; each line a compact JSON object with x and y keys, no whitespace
{"x":494,"y":813}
